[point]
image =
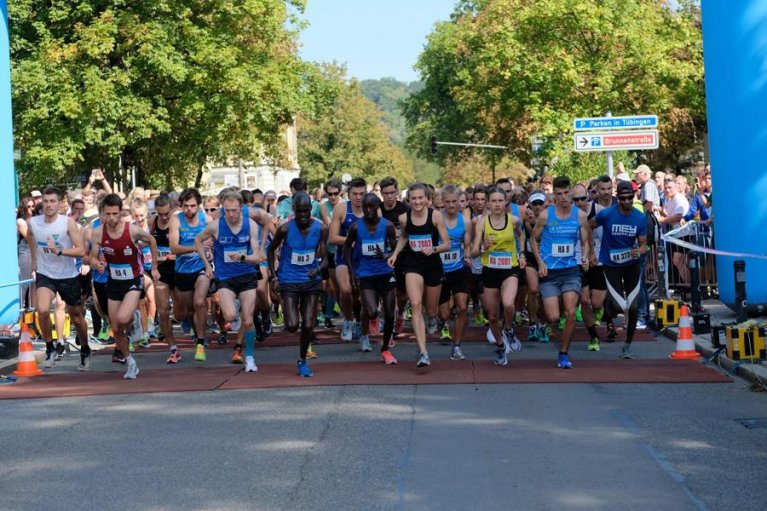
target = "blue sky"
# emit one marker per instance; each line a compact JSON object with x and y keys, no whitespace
{"x":375,"y":38}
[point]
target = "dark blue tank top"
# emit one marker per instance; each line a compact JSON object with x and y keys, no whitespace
{"x":366,"y":262}
{"x":228,"y":248}
{"x":298,"y":254}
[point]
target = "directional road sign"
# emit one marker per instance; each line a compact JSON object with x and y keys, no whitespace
{"x":616,"y":123}
{"x":616,"y":140}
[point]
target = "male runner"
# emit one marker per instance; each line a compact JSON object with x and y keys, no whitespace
{"x":166,"y":262}
{"x":391,"y":209}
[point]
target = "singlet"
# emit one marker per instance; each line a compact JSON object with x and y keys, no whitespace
{"x":514,"y":210}
{"x":502,"y":252}
{"x":165,"y":259}
{"x":620,"y":235}
{"x":99,"y":277}
{"x":227,"y":244}
{"x":349,"y":219}
{"x":453,"y":260}
{"x":48,"y":263}
{"x":597,"y":232}
{"x":298,"y":254}
{"x":420,"y":237}
{"x":366,"y":262}
{"x":146,"y":251}
{"x":122,"y":255}
{"x":559,"y":238}
{"x":392,"y":215}
{"x":329,"y":208}
{"x":190,"y":262}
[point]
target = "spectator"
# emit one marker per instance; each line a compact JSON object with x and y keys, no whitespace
{"x":673,"y":211}
{"x":37,"y":196}
{"x":24,"y":212}
{"x":648,"y":191}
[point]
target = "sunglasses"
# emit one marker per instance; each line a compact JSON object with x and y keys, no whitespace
{"x":625,"y":198}
{"x":537,"y":203}
{"x":580,"y":199}
{"x":333,"y":194}
{"x":211,"y":210}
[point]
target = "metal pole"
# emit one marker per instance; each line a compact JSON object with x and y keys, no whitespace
{"x":740,"y":290}
{"x":695,"y":281}
{"x":609,"y":154}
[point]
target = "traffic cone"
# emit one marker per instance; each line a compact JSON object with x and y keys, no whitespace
{"x":27,"y":365}
{"x":685,"y":346}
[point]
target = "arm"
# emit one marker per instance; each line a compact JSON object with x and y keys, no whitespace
{"x":517,"y":223}
{"x":535,"y":240}
{"x":173,"y":238}
{"x":339,"y":212}
{"x":439,"y":223}
{"x":279,"y":236}
{"x":88,"y":245}
{"x":467,"y":242}
{"x":585,"y":239}
{"x":479,"y":233}
{"x":322,"y":250}
{"x":258,"y":256}
{"x":32,"y":246}
{"x":695,"y":205}
{"x":261,"y":218}
{"x":95,"y":246}
{"x":325,"y":217}
{"x":401,"y":242}
{"x":140,"y":235}
{"x":391,"y":235}
{"x":73,"y":230}
{"x":348,"y":245}
{"x":199,"y":246}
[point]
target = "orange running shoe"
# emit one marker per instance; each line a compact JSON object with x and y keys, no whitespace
{"x":237,"y":355}
{"x":310,"y":353}
{"x":174,"y":358}
{"x":388,"y":358}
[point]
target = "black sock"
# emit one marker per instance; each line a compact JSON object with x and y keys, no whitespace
{"x":85,"y":350}
{"x":49,"y":346}
{"x":265,"y":315}
{"x":200,"y":342}
{"x":562,"y":352}
{"x":592,"y":331}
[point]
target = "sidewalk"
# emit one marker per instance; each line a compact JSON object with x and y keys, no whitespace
{"x":720,"y":313}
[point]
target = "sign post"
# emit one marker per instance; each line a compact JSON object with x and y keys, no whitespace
{"x":609,"y":153}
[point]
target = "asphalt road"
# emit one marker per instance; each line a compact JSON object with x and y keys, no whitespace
{"x":510,"y":447}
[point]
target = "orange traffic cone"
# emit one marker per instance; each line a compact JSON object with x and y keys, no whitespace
{"x":27,"y":365}
{"x":685,"y":346}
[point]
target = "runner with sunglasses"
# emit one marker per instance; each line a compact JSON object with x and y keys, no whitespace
{"x":624,"y":241}
{"x":538,"y":330}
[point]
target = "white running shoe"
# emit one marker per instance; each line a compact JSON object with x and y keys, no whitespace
{"x":490,"y":337}
{"x":250,"y":365}
{"x":365,"y":344}
{"x":132,"y":371}
{"x":50,"y":360}
{"x":135,"y":330}
{"x":346,"y":331}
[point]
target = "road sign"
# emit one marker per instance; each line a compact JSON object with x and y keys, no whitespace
{"x":616,"y":123}
{"x":616,"y":141}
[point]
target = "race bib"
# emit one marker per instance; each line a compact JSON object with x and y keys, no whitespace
{"x":369,"y":247}
{"x":562,"y":249}
{"x":147,"y":253}
{"x":500,"y":260}
{"x":45,"y":248}
{"x":163,"y":254}
{"x":121,"y":271}
{"x":233,"y":255}
{"x":621,"y":256}
{"x":450,"y":257}
{"x":302,"y":258}
{"x":419,"y":242}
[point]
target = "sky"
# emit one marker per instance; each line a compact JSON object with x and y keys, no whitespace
{"x":374,"y":38}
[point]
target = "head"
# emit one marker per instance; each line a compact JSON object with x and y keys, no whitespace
{"x":232,"y":203}
{"x":643,"y":174}
{"x":561,"y":186}
{"x":163,"y":208}
{"x":247,"y":197}
{"x":190,"y":200}
{"x":357,"y":190}
{"x":417,"y":195}
{"x":625,"y":196}
{"x":333,"y":189}
{"x":659,"y":177}
{"x":547,"y":184}
{"x":298,"y":184}
{"x":670,"y":188}
{"x":37,"y":196}
{"x":25,"y":209}
{"x":270,"y":197}
{"x":258,"y":197}
{"x":480,"y":199}
{"x":51,"y":201}
{"x":371,"y":203}
{"x":389,"y":191}
{"x":111,"y":209}
{"x":78,"y":209}
{"x":88,"y":198}
{"x":463,"y":201}
{"x":496,"y":201}
{"x":302,"y":209}
{"x":581,"y":197}
{"x":450,"y":196}
{"x":139,"y":210}
{"x":518,"y":195}
{"x":537,"y":202}
{"x":212,"y":203}
{"x":504,"y":184}
{"x":682,"y":184}
{"x":470,"y":196}
{"x":604,"y":189}
{"x":704,"y":182}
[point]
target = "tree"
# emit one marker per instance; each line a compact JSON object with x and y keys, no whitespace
{"x":165,"y":85}
{"x":348,"y":137}
{"x":503,"y":71}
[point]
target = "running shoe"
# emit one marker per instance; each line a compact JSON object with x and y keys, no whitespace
{"x":310,"y":353}
{"x":223,"y":339}
{"x":380,"y":326}
{"x":104,"y":333}
{"x":365,"y":344}
{"x":235,"y":325}
{"x":432,"y":325}
{"x":532,"y":333}
{"x":237,"y":355}
{"x":266,"y":323}
{"x":479,"y":318}
{"x":392,"y":342}
{"x":444,"y":335}
{"x":60,"y":350}
{"x":598,"y":316}
{"x":50,"y":359}
{"x":562,"y":321}
{"x":346,"y":331}
{"x":506,"y":336}
{"x":206,"y":342}
{"x":356,"y":330}
{"x":593,"y":345}
{"x":626,"y":351}
{"x":136,"y":329}
{"x":250,"y":365}
{"x":328,"y":322}
{"x":516,"y":344}
{"x":131,"y":347}
{"x":144,"y":341}
{"x":153,"y":333}
{"x":174,"y":358}
{"x":132,"y":371}
{"x":544,"y":333}
{"x":578,"y":314}
{"x":388,"y":358}
{"x":500,"y":356}
{"x":641,"y":324}
{"x":110,"y":341}
{"x":303,"y":369}
{"x":519,"y":319}
{"x":374,"y":325}
{"x":279,"y":320}
{"x":423,"y":360}
{"x":186,"y":326}
{"x":118,"y":357}
{"x":563,"y":362}
{"x":199,"y":353}
{"x":490,"y":337}
{"x":457,"y":353}
{"x":408,"y":314}
{"x":612,"y":334}
{"x":86,"y":363}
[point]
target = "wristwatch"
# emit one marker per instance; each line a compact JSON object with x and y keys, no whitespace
{"x":242,"y":258}
{"x":59,"y":252}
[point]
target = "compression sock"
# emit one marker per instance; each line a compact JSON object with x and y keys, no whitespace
{"x":250,"y":342}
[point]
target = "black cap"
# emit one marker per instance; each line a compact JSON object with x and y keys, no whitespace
{"x":624,"y":187}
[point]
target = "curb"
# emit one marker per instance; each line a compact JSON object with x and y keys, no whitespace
{"x":753,"y":372}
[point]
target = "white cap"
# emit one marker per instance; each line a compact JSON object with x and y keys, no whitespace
{"x":536,"y":196}
{"x":623,"y":177}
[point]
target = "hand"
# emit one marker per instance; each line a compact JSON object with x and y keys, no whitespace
{"x":467,"y":261}
{"x":542,"y":269}
{"x":155,"y":274}
{"x":391,"y":261}
{"x":260,"y":257}
{"x":101,"y":266}
{"x":52,"y":245}
{"x":427,"y":251}
{"x":522,"y":261}
{"x":487,"y":242}
{"x":275,"y":285}
{"x":209,"y":272}
{"x":84,"y":269}
{"x":313,"y":272}
{"x":585,"y":263}
{"x":379,"y":253}
{"x":634,"y":253}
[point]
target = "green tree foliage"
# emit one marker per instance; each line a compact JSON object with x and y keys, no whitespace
{"x":388,"y":94}
{"x":348,"y":137}
{"x":165,"y":85}
{"x":503,"y":71}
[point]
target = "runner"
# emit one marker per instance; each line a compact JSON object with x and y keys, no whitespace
{"x":596,"y":275}
{"x":475,"y":276}
{"x":391,"y":209}
{"x":556,"y":233}
{"x":192,"y":284}
{"x":165,"y":285}
{"x":456,"y":264}
{"x":333,"y":189}
{"x":122,"y":256}
{"x":624,"y":241}
{"x":236,"y":256}
{"x":54,"y":242}
{"x":423,"y":228}
{"x":581,"y":201}
{"x":298,"y":279}
{"x":345,"y":213}
{"x":538,"y":330}
{"x":495,"y":240}
{"x":148,"y":306}
{"x":372,"y":240}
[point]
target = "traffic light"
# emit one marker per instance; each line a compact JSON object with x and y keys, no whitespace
{"x":433,"y":144}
